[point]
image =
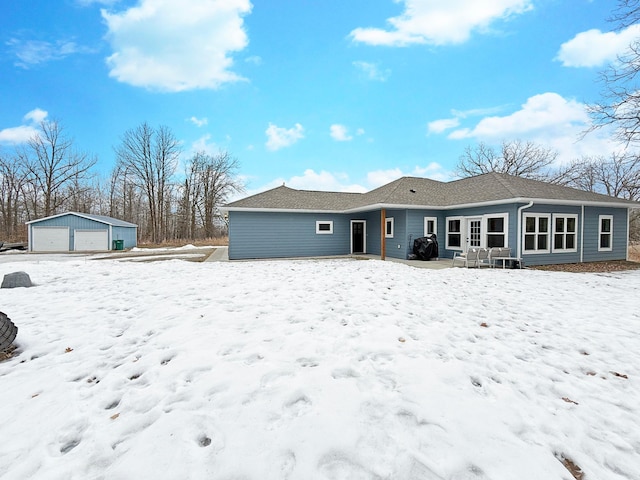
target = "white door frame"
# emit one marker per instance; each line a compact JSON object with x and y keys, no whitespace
{"x":474,"y":233}
{"x":364,"y":235}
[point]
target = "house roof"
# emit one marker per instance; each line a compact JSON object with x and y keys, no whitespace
{"x":414,"y":192}
{"x":114,"y":222}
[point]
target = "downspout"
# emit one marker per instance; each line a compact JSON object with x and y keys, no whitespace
{"x":519,"y":229}
{"x":582,"y":236}
{"x":383,"y":234}
{"x":628,"y":232}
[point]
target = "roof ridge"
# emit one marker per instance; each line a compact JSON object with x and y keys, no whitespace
{"x":503,"y":181}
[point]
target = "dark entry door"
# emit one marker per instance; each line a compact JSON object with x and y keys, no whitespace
{"x":357,"y":237}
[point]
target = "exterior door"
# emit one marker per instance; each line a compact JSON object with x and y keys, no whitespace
{"x":358,"y":236}
{"x":474,"y":232}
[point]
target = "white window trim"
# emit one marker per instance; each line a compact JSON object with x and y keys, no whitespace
{"x":324,"y":232}
{"x":525,"y":233}
{"x":610,"y":233}
{"x":461,"y":233}
{"x":505,"y":231}
{"x":553,"y":232}
{"x":435,"y":225}
{"x":389,"y":220}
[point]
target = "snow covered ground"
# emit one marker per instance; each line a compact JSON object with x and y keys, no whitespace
{"x":326,"y":369}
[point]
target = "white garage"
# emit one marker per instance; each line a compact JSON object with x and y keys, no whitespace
{"x":83,"y":232}
{"x":88,"y":240}
{"x":50,"y":239}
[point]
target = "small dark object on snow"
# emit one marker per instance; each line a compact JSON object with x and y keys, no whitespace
{"x":8,"y":332}
{"x":16,"y":279}
{"x":426,"y":248}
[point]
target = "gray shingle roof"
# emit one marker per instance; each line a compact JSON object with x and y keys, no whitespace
{"x":424,"y":192}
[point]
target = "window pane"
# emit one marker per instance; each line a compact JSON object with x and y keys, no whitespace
{"x":605,"y":240}
{"x":454,"y":226}
{"x":495,"y":225}
{"x":571,"y":225}
{"x":542,"y":242}
{"x":530,"y":224}
{"x":430,"y":226}
{"x":571,"y":242}
{"x":606,"y":225}
{"x":558,"y":242}
{"x":324,"y":227}
{"x":529,"y":242}
{"x":454,"y":240}
{"x":543,"y":224}
{"x":559,"y":224}
{"x":495,"y":241}
{"x":389,"y":227}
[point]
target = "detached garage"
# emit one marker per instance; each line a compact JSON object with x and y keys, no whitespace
{"x":80,"y":232}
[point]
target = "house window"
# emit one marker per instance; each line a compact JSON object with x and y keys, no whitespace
{"x":430,"y":226}
{"x":497,"y":231}
{"x":605,"y":233}
{"x":536,"y":233}
{"x":388,"y":229}
{"x":454,"y":233}
{"x":565,"y":233}
{"x":324,"y":227}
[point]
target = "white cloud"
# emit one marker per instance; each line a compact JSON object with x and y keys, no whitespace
{"x":372,"y":71}
{"x":278,"y":137}
{"x":176,"y":46}
{"x":23,"y":133}
{"x":594,"y":48}
{"x":203,"y":144}
{"x":437,"y":22}
{"x":36,"y":52}
{"x":439,"y":126}
{"x":340,"y":133}
{"x":199,"y":122}
{"x":360,"y":131}
{"x":547,"y":119}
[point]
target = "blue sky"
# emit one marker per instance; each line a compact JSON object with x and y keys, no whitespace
{"x":320,"y":94}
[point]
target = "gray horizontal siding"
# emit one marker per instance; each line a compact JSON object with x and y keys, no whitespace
{"x":279,"y":235}
{"x":591,"y":240}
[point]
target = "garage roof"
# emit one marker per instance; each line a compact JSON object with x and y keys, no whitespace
{"x":114,"y":222}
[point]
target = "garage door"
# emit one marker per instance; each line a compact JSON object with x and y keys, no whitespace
{"x":50,"y":239}
{"x":86,"y":240}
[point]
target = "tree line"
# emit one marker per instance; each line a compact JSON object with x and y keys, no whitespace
{"x":48,"y":175}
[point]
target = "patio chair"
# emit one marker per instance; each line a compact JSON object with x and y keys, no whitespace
{"x":499,"y":254}
{"x":483,"y":258}
{"x":468,"y":258}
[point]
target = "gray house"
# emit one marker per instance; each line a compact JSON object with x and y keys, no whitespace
{"x":541,"y":223}
{"x":74,"y":231}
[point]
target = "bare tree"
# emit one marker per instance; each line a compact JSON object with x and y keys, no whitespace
{"x":526,"y":159}
{"x":148,"y":157}
{"x":209,"y":181}
{"x":620,"y":104}
{"x":12,"y":183}
{"x":54,"y":166}
{"x":616,"y":176}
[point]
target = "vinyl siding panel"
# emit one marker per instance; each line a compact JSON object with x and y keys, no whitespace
{"x":512,"y":225}
{"x":129,"y":235}
{"x":415,"y":228}
{"x":552,"y":257}
{"x":280,"y":235}
{"x":620,"y":234}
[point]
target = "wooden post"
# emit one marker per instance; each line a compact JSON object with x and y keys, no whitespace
{"x":383,"y":236}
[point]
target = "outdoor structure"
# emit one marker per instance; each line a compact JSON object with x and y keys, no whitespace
{"x":542,"y":223}
{"x":79,"y":232}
